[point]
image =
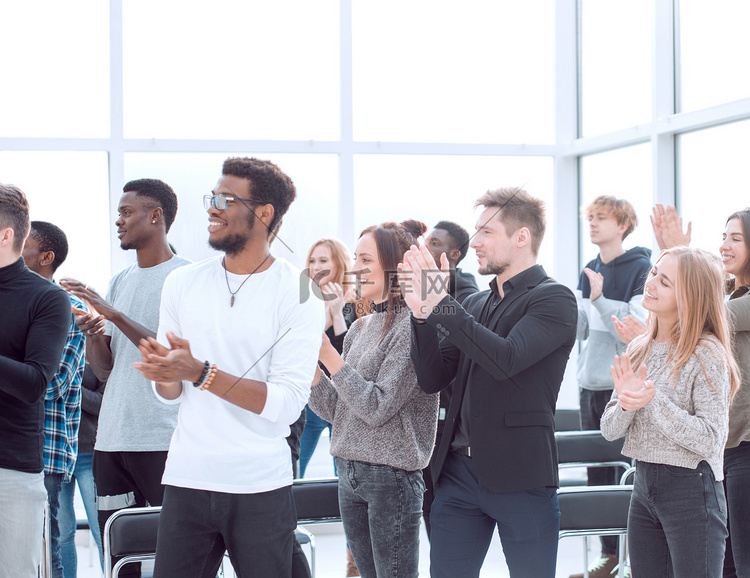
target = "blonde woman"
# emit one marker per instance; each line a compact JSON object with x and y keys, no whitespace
{"x":328,"y":263}
{"x":672,"y":393}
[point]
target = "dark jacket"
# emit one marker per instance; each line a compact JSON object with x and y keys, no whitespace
{"x":508,"y":357}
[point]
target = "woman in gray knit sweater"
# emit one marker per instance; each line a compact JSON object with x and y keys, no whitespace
{"x":671,"y":398}
{"x":383,"y":424}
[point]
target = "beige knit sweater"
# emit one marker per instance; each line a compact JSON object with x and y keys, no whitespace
{"x":687,"y":420}
{"x":378,"y":412}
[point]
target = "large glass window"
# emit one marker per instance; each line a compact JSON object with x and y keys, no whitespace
{"x":55,"y":67}
{"x":624,"y":173}
{"x":436,"y":188}
{"x":314,"y":214}
{"x":714,"y":176}
{"x":231,"y":70}
{"x":714,"y":50}
{"x":70,"y":190}
{"x":480,"y":71}
{"x":616,"y":49}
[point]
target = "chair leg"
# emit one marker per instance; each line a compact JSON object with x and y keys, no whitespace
{"x":585,"y":557}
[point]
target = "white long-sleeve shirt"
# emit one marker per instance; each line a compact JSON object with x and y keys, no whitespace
{"x":268,"y":335}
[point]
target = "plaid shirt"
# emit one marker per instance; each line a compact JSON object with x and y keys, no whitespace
{"x":62,"y":403}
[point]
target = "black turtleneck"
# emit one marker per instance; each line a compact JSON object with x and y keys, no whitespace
{"x":34,"y":322}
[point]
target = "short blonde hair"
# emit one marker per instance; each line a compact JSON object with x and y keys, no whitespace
{"x":620,"y":209}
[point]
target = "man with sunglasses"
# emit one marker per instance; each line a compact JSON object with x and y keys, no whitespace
{"x":134,"y":428}
{"x":237,"y":349}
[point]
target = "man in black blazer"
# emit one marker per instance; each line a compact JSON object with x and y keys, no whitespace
{"x":507,"y":349}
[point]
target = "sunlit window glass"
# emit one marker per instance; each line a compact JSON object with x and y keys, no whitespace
{"x":70,"y":190}
{"x":714,"y":179}
{"x":55,"y":69}
{"x":616,"y":52}
{"x":232,"y":70}
{"x":438,"y":71}
{"x":714,"y":52}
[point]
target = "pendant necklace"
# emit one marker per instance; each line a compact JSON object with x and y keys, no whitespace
{"x":226,"y":277}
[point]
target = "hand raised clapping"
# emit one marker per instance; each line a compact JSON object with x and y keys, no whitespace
{"x":633,"y":391}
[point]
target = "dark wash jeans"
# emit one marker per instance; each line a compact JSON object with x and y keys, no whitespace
{"x":381,"y":508}
{"x":677,"y":526}
{"x":196,"y":526}
{"x":465,"y":514}
{"x":737,"y":488}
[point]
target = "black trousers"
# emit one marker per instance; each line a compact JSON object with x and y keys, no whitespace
{"x":126,"y":480}
{"x":197,"y":526}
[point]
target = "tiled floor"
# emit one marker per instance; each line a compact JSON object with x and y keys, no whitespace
{"x":330,"y":543}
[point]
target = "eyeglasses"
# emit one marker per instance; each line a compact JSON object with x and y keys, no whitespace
{"x":221,"y":201}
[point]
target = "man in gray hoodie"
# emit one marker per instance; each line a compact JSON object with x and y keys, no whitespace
{"x":611,"y":284}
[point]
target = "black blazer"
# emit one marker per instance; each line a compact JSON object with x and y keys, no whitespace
{"x":510,"y":354}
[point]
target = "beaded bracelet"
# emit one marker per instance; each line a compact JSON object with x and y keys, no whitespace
{"x":204,"y":375}
{"x":210,"y":377}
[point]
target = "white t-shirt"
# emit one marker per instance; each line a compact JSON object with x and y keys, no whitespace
{"x":269,"y":336}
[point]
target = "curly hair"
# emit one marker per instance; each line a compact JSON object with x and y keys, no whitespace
{"x":458,"y":235}
{"x":267,"y":183}
{"x":50,"y":238}
{"x":159,"y":192}
{"x":14,"y":213}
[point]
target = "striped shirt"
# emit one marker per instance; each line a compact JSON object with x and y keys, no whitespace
{"x":62,"y":403}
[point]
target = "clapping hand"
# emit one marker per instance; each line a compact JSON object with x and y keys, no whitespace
{"x":633,"y":392}
{"x":596,"y":280}
{"x":419,"y":268}
{"x":629,"y":328}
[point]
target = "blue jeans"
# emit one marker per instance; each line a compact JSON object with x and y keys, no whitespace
{"x":53,"y":483}
{"x":677,"y":524}
{"x":737,"y":487}
{"x":197,"y":526}
{"x":22,"y":498}
{"x":314,"y":426}
{"x":381,"y":508}
{"x":84,"y":476}
{"x":464,"y":515}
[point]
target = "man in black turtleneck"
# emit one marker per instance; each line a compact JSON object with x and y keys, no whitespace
{"x":34,"y":321}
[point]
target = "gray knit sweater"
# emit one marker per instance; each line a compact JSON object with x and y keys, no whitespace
{"x":687,"y":420}
{"x":378,"y":412}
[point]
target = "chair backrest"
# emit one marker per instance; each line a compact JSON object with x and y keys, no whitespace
{"x":594,"y":510}
{"x":590,"y":449}
{"x":567,"y":420}
{"x":317,"y":500}
{"x":130,"y":535}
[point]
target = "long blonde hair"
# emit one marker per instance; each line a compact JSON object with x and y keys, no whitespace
{"x":339,"y":255}
{"x":699,"y":291}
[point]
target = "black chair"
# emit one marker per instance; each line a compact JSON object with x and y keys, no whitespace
{"x":567,"y":420}
{"x":595,"y":511}
{"x":317,"y":502}
{"x":130,"y":534}
{"x":588,"y":449}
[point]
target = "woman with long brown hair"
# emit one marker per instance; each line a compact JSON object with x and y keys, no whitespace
{"x":672,"y":393}
{"x":383,"y":424}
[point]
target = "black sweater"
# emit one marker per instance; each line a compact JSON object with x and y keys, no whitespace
{"x":34,"y":321}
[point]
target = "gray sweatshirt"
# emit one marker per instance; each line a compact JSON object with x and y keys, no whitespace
{"x":379,"y":413}
{"x":687,"y":420}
